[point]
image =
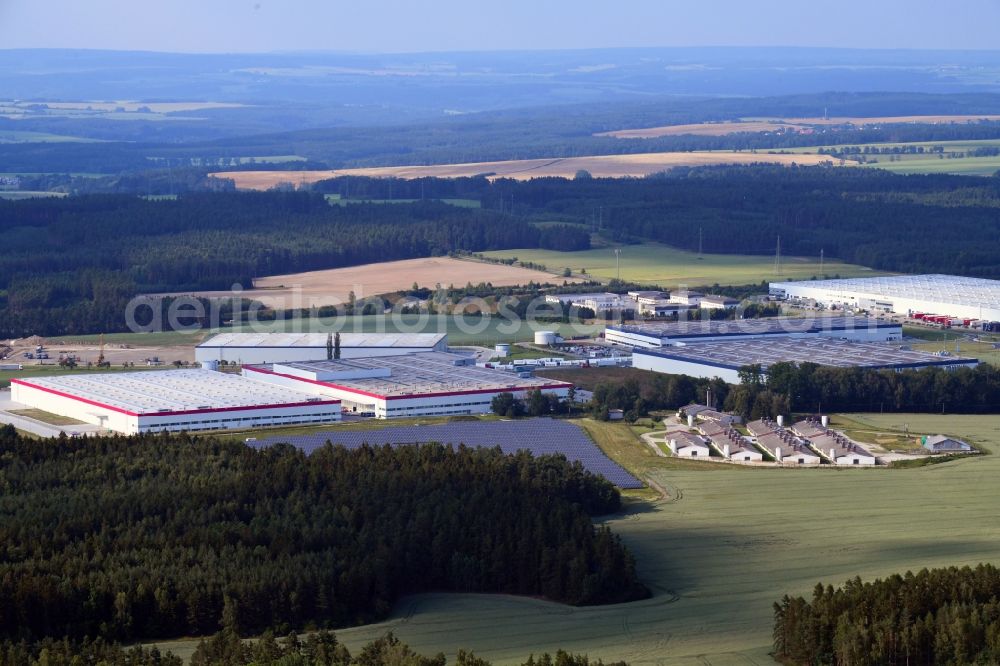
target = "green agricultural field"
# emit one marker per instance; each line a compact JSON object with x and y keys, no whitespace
{"x":724,"y":546}
{"x":984,"y":351}
{"x":966,"y":166}
{"x":653,"y":263}
{"x":926,"y":162}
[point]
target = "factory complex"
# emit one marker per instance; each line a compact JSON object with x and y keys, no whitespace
{"x":286,"y":391}
{"x":725,"y":358}
{"x":428,"y":383}
{"x":656,"y":335}
{"x":948,"y":297}
{"x":255,"y":348}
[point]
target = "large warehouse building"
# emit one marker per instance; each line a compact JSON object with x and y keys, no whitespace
{"x":955,"y":296}
{"x":136,"y":402}
{"x":724,"y":359}
{"x":432,"y":383}
{"x":657,"y":335}
{"x":257,"y":348}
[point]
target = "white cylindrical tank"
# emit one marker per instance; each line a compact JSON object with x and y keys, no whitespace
{"x":690,"y":420}
{"x":825,"y":420}
{"x":210,"y":365}
{"x":502,"y":349}
{"x":545,"y":337}
{"x":777,"y":453}
{"x":781,"y":421}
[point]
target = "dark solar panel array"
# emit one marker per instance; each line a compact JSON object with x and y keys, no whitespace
{"x":540,"y":436}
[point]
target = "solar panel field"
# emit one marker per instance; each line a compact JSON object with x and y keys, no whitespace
{"x":540,"y":436}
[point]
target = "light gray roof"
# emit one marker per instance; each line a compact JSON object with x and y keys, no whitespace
{"x":416,"y":374}
{"x":152,"y":392}
{"x":318,"y":340}
{"x":955,"y":289}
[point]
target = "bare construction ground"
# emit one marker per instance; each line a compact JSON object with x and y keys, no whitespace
{"x":333,"y":286}
{"x":775,"y":124}
{"x":599,"y":166}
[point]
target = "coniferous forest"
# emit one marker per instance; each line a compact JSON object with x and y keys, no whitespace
{"x":320,"y":648}
{"x":936,"y":616}
{"x":155,"y":536}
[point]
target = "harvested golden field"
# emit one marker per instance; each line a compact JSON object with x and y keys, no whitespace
{"x":702,"y":129}
{"x":333,"y":286}
{"x":599,"y":166}
{"x":774,"y":124}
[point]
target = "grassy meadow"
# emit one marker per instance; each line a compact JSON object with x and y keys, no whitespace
{"x":653,"y":263}
{"x":928,"y":163}
{"x":725,"y":545}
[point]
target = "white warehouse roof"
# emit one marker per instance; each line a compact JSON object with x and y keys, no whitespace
{"x":941,"y":290}
{"x":318,"y":340}
{"x":161,"y":392}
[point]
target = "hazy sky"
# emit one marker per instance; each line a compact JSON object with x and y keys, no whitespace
{"x":448,"y":25}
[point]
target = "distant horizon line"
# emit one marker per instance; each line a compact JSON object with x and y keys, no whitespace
{"x":728,"y":47}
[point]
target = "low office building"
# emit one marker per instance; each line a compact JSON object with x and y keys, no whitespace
{"x":725,"y":359}
{"x":653,"y":335}
{"x":173,"y":400}
{"x":430,"y":383}
{"x":601,"y":303}
{"x":712,"y":302}
{"x":255,"y":348}
{"x":684,"y":297}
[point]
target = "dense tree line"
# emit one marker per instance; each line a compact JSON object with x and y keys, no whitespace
{"x":638,"y":392}
{"x":69,"y":265}
{"x":319,"y":648}
{"x":849,"y":214}
{"x":812,"y":388}
{"x":155,"y":536}
{"x":936,"y":616}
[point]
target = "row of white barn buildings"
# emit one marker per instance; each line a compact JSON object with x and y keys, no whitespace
{"x":805,"y":443}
